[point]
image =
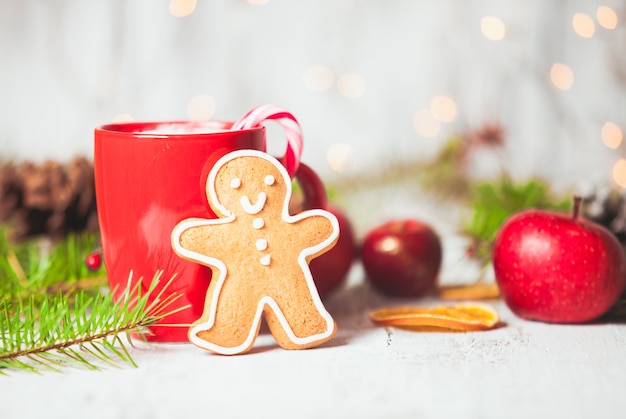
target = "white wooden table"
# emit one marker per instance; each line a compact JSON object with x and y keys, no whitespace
{"x":519,"y":370}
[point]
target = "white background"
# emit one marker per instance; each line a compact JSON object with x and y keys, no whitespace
{"x":70,"y":65}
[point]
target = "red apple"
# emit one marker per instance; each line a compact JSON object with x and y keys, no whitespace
{"x":558,"y":267}
{"x":402,"y":257}
{"x":330,"y":270}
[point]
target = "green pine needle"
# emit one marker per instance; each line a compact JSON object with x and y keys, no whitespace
{"x":54,"y":331}
{"x":39,"y":267}
{"x":494,"y":201}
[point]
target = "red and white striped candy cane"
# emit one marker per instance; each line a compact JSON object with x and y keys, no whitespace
{"x":291,"y":159}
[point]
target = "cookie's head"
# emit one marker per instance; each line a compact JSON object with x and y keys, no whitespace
{"x":248,"y":182}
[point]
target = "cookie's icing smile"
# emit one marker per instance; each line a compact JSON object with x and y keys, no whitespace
{"x":253,"y":208}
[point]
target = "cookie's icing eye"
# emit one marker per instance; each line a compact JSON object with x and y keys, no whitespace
{"x":235,"y":183}
{"x":269,"y":180}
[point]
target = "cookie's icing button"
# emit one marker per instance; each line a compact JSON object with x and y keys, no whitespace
{"x":269,"y":180}
{"x":265,"y":260}
{"x":261,"y":244}
{"x":235,"y":183}
{"x":258,"y":223}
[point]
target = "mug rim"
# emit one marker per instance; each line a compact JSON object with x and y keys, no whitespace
{"x":137,"y":129}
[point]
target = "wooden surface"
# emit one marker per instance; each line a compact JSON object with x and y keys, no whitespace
{"x":519,"y":370}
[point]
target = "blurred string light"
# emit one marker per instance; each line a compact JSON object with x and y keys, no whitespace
{"x":351,"y":85}
{"x":122,"y":117}
{"x":318,"y":78}
{"x":443,"y":108}
{"x":611,"y":135}
{"x":493,"y":28}
{"x":201,"y":108}
{"x":340,"y":157}
{"x":583,"y":25}
{"x":561,"y":76}
{"x":619,"y":173}
{"x":182,"y":8}
{"x":258,"y":2}
{"x":607,"y":18}
{"x":425,"y":123}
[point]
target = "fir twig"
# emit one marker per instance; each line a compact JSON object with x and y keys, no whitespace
{"x":494,"y":201}
{"x":85,"y":332}
{"x":39,"y":267}
{"x":444,"y":176}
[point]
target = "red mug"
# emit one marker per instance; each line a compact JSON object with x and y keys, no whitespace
{"x":151,"y":175}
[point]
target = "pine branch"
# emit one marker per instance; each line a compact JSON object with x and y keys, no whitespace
{"x":493,"y":202}
{"x":39,"y":267}
{"x":444,"y":176}
{"x":84,"y":332}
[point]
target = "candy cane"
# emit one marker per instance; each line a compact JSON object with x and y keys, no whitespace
{"x":291,"y":159}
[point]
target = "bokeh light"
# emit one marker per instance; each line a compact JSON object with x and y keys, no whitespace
{"x":258,"y":2}
{"x":619,"y":173}
{"x":340,"y":157}
{"x":492,"y":28}
{"x":201,"y":108}
{"x":561,"y":76}
{"x":351,"y":85}
{"x":318,"y":78}
{"x":583,"y":25}
{"x":443,"y":108}
{"x":607,"y":18}
{"x":425,"y":123}
{"x":611,"y":134}
{"x":182,"y":8}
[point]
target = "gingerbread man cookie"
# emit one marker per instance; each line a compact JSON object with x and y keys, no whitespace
{"x":259,"y":255}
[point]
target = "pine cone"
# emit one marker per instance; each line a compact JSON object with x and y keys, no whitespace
{"x":607,"y":208}
{"x":48,"y":199}
{"x":10,"y":190}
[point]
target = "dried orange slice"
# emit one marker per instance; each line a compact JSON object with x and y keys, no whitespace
{"x":464,"y":317}
{"x":477,"y":291}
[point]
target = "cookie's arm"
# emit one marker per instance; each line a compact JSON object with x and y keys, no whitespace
{"x":319,"y":229}
{"x":200,"y":240}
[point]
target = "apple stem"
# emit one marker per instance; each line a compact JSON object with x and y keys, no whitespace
{"x":576,"y":209}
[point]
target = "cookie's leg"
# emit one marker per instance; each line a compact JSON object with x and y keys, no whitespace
{"x":299,"y":321}
{"x":229,"y":328}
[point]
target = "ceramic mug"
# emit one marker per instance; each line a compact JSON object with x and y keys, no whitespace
{"x":151,"y":175}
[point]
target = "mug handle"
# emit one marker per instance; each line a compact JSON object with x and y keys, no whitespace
{"x":313,"y":190}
